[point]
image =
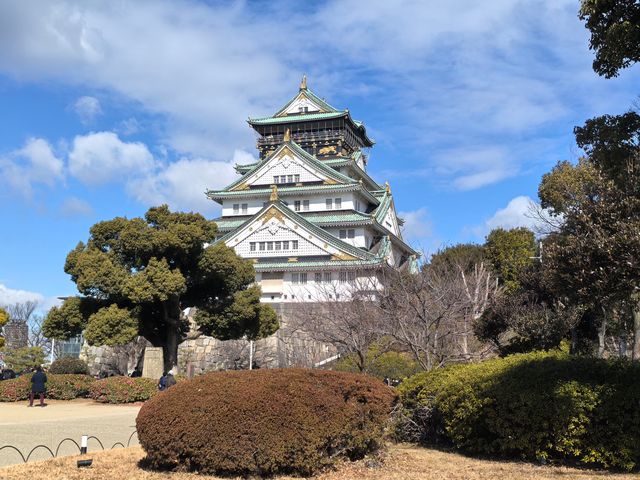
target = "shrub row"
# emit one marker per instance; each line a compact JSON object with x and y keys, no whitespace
{"x":69,"y":365}
{"x":534,"y":406}
{"x":123,"y":389}
{"x":264,"y":422}
{"x":68,"y":387}
{"x":59,"y":387}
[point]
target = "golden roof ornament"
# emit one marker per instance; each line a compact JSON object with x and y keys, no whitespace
{"x":274,"y":193}
{"x":387,"y":187}
{"x":287,"y":135}
{"x":303,"y":83}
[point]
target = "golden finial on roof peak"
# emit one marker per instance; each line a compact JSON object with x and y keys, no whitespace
{"x":303,"y":82}
{"x":274,"y":194}
{"x":287,"y":135}
{"x":387,"y":187}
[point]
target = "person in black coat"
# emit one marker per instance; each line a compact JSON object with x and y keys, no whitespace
{"x":38,"y":381}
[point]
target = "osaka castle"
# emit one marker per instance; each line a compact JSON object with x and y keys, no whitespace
{"x":307,"y":213}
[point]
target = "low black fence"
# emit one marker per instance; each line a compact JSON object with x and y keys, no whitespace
{"x":53,"y":454}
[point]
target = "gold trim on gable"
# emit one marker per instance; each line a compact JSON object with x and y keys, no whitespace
{"x":343,"y":256}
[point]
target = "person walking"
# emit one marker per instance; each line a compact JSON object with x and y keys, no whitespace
{"x":38,"y":381}
{"x":170,"y":380}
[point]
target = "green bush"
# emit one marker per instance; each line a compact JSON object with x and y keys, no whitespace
{"x":69,"y":365}
{"x":59,"y":387}
{"x":392,"y":365}
{"x":264,"y":422}
{"x":535,"y":406}
{"x":123,"y":389}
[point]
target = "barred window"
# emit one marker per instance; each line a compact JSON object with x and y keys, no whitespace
{"x":285,"y":245}
{"x":318,"y":277}
{"x":295,"y":278}
{"x":343,"y":234}
{"x":245,"y":208}
{"x":294,"y":244}
{"x":329,"y":203}
{"x":296,"y":205}
{"x":276,"y":179}
{"x":303,"y":278}
{"x":252,"y":246}
{"x":269,"y":245}
{"x":305,"y":205}
{"x":338,"y":203}
{"x":278,"y":245}
{"x":289,"y":178}
{"x":351,"y":233}
{"x":236,"y":208}
{"x":297,"y":178}
{"x":262,"y":245}
{"x":351,"y":276}
{"x":327,"y":277}
{"x":342,"y":277}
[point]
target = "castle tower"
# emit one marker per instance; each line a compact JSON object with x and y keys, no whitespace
{"x":307,"y":213}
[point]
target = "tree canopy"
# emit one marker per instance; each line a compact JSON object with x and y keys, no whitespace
{"x":4,"y":318}
{"x":135,"y":277}
{"x":615,"y":33}
{"x":510,"y":252}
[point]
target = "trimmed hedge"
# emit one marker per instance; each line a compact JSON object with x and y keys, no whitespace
{"x":59,"y":387}
{"x":123,"y":389}
{"x":535,"y":406}
{"x":264,"y":422}
{"x":69,"y":365}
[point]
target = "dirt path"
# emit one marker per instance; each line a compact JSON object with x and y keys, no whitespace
{"x":25,"y":428}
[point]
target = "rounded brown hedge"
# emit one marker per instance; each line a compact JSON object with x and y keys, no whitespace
{"x":264,"y":422}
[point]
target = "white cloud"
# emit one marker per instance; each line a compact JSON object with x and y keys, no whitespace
{"x":182,"y":184}
{"x":87,"y":108}
{"x":73,"y":207}
{"x":9,"y":296}
{"x":33,"y":163}
{"x":417,"y":226}
{"x":521,"y":211}
{"x":100,"y":157}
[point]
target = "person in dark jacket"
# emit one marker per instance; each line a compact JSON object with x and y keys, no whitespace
{"x":38,"y":381}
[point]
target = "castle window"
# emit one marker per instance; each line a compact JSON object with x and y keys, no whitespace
{"x":245,"y":208}
{"x":318,"y":277}
{"x":297,"y":178}
{"x":351,"y":276}
{"x":285,"y":245}
{"x":252,"y":246}
{"x":289,"y":178}
{"x":296,"y":205}
{"x":305,"y":205}
{"x":278,"y":245}
{"x":295,"y":278}
{"x":338,"y":203}
{"x":294,"y":244}
{"x":351,"y":233}
{"x":327,"y":277}
{"x":329,"y":203}
{"x":262,"y":245}
{"x":236,"y":208}
{"x":269,"y":245}
{"x":283,"y":179}
{"x":303,"y":278}
{"x":342,"y":277}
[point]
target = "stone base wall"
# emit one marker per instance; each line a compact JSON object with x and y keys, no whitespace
{"x":290,"y":346}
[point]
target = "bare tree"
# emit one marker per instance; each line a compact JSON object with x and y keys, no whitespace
{"x":343,"y":314}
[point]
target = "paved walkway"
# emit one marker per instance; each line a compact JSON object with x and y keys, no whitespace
{"x":25,"y":428}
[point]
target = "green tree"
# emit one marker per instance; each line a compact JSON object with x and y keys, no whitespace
{"x":596,"y":254}
{"x":4,"y":318}
{"x":510,"y":252}
{"x":25,"y":358}
{"x":137,"y":275}
{"x":615,"y":33}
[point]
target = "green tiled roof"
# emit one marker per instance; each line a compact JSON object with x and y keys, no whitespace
{"x":346,"y":217}
{"x":330,"y":172}
{"x":297,"y":118}
{"x":313,"y":97}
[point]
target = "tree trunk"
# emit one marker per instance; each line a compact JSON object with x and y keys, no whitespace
{"x":622,"y":345}
{"x":171,"y":309}
{"x":602,"y":332}
{"x":635,"y":352}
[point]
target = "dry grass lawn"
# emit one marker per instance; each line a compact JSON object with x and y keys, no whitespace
{"x":402,"y":462}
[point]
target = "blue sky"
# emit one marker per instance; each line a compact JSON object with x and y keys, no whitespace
{"x":108,"y":108}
